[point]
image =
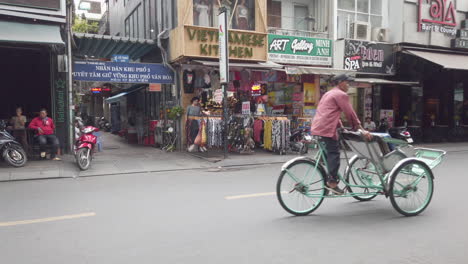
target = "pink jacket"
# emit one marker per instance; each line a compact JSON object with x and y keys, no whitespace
{"x":327,"y":118}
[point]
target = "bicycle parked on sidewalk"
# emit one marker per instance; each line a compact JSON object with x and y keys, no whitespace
{"x":403,"y":174}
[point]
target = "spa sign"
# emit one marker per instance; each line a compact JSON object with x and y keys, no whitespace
{"x":437,"y":16}
{"x":299,"y":50}
{"x":204,"y":42}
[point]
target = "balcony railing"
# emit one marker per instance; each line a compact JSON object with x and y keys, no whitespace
{"x":104,"y":24}
{"x":297,"y":26}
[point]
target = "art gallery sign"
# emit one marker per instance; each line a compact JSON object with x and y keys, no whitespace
{"x":300,"y":50}
{"x":437,"y":16}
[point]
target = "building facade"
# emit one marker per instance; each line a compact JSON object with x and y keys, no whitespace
{"x":34,"y":64}
{"x":431,"y":48}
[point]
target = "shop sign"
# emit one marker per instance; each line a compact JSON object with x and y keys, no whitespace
{"x":104,"y":71}
{"x":299,"y":50}
{"x":154,"y":87}
{"x":369,"y":57}
{"x":120,"y":58}
{"x":204,"y":42}
{"x":218,"y":96}
{"x":462,"y":40}
{"x":246,"y":108}
{"x":437,"y":16}
{"x":45,"y":4}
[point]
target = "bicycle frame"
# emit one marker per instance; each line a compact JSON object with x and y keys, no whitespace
{"x":320,"y":157}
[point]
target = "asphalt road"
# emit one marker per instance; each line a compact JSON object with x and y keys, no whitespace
{"x":184,"y":217}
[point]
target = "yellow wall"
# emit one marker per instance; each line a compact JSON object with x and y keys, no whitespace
{"x":188,"y":40}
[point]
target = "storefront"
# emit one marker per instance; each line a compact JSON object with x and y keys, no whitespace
{"x":376,"y":94}
{"x":433,"y":51}
{"x":33,"y":67}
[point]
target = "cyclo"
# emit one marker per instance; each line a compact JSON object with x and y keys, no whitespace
{"x":403,"y":174}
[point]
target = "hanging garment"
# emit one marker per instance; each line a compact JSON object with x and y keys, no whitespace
{"x":204,"y":138}
{"x":267,"y":135}
{"x":258,"y":128}
{"x":189,"y":81}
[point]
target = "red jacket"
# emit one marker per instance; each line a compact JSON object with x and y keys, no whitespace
{"x":47,"y":126}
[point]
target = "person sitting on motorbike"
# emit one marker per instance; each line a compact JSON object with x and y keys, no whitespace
{"x":369,"y":125}
{"x":44,"y":127}
{"x":327,"y":121}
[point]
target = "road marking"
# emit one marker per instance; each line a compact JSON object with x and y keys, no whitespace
{"x":48,"y":219}
{"x":250,"y":195}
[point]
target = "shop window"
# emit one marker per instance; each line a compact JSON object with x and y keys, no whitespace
{"x":274,"y":13}
{"x":205,"y":14}
{"x":367,"y":11}
{"x":301,"y":17}
{"x":458,"y":98}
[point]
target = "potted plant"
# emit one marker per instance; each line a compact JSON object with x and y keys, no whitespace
{"x":176,"y":112}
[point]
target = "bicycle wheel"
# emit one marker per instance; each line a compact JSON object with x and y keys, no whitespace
{"x":361,"y":171}
{"x":411,"y":187}
{"x":295,"y":186}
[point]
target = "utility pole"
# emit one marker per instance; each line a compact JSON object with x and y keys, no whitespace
{"x":224,"y":68}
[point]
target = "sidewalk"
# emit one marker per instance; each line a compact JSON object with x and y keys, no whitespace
{"x":118,"y":157}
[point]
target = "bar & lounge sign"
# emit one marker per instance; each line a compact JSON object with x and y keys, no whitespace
{"x":437,"y":16}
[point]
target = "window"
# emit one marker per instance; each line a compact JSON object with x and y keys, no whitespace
{"x":135,"y":23}
{"x":367,"y":11}
{"x":274,"y":13}
{"x":205,"y":14}
{"x":301,"y":15}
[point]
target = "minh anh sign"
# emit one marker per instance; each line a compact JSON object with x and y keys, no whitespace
{"x":437,"y":16}
{"x":299,"y":50}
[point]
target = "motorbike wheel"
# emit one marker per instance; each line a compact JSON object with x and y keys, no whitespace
{"x":304,"y":149}
{"x":15,"y":155}
{"x":83,"y":158}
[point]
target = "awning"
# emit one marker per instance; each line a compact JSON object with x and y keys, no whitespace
{"x":128,"y":91}
{"x":104,"y":46}
{"x":318,"y":70}
{"x":254,"y":65}
{"x":447,"y":61}
{"x":30,"y":33}
{"x":383,"y":81}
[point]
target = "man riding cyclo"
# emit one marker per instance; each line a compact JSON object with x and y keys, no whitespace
{"x":327,"y":121}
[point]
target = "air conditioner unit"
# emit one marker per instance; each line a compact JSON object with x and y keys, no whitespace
{"x":360,"y":31}
{"x":379,"y":34}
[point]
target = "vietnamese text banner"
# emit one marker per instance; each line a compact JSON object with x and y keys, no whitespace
{"x":104,"y":71}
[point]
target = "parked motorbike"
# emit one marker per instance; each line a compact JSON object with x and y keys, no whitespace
{"x":12,"y":151}
{"x":300,"y":140}
{"x":84,"y":147}
{"x":400,"y":133}
{"x":104,"y":124}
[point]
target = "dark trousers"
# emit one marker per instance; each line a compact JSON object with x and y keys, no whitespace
{"x":21,"y":137}
{"x":332,"y":148}
{"x":48,"y":139}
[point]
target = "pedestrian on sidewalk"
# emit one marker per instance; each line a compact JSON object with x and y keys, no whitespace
{"x":18,"y":123}
{"x":45,"y":128}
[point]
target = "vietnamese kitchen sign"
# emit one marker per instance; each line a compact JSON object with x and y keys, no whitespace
{"x":204,"y":42}
{"x":104,"y":71}
{"x":437,"y":16}
{"x":299,"y":50}
{"x":369,"y":57}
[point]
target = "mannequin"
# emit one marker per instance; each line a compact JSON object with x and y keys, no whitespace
{"x":242,"y":16}
{"x":214,"y":14}
{"x":202,"y":9}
